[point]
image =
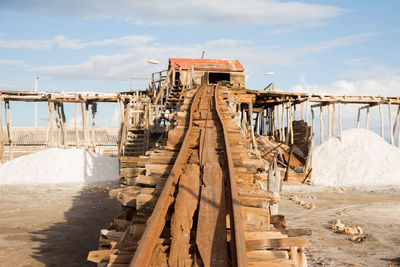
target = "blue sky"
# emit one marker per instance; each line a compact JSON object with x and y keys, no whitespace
{"x":330,"y":47}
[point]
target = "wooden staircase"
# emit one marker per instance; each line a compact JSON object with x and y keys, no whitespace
{"x":136,"y":142}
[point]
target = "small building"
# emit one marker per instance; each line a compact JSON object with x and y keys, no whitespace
{"x":210,"y":70}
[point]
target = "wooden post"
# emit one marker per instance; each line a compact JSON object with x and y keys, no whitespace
{"x":283,"y":127}
{"x":398,"y":135}
{"x":390,"y":124}
{"x":94,"y":111}
{"x":291,"y":125}
{"x":381,"y":116}
{"x":302,"y":111}
{"x":76,"y":125}
{"x":321,"y":125}
{"x":358,"y":118}
{"x":273,"y":122}
{"x":396,"y":119}
{"x":367,"y":119}
{"x":307,"y":103}
{"x":279,"y":123}
{"x":287,"y":125}
{"x":251,"y":125}
{"x":7,"y":115}
{"x":64,"y":126}
{"x":294,"y":112}
{"x":340,"y":122}
{"x":58,"y":123}
{"x":333,"y":119}
{"x":329,"y":121}
{"x":87,"y":124}
{"x":84,"y":124}
{"x":51,"y":121}
{"x":244,"y":122}
{"x":1,"y":131}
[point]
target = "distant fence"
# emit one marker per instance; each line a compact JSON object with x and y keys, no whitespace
{"x":28,"y":140}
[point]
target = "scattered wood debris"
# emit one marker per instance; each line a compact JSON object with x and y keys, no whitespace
{"x":296,"y":199}
{"x":356,"y":233}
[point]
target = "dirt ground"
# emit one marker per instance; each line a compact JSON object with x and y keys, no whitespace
{"x":377,"y":212}
{"x":58,"y":225}
{"x":52,"y":225}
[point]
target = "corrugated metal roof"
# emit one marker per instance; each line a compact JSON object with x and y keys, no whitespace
{"x":208,"y":64}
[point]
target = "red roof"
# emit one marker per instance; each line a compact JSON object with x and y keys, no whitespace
{"x":208,"y":64}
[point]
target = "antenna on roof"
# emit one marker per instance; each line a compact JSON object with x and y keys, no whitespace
{"x":202,"y":54}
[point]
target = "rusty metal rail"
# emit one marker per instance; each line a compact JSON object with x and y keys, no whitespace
{"x":156,"y":222}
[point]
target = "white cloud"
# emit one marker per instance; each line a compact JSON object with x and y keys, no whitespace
{"x":10,"y":62}
{"x":376,"y":82}
{"x":356,"y":62}
{"x":175,"y":12}
{"x":295,"y":27}
{"x":74,"y":44}
{"x":133,"y":63}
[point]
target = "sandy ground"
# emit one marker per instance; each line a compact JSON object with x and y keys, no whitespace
{"x":58,"y":225}
{"x":377,"y":212}
{"x":52,"y":225}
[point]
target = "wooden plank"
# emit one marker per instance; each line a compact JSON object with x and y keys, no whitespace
{"x":98,"y":256}
{"x":266,"y":255}
{"x":264,"y":235}
{"x":276,"y":243}
{"x":182,"y":220}
{"x":211,"y":229}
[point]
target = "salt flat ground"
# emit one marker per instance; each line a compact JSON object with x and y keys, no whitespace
{"x":376,"y":211}
{"x":58,"y":225}
{"x":53,"y":225}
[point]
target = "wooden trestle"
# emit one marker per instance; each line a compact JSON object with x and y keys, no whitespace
{"x":198,"y":200}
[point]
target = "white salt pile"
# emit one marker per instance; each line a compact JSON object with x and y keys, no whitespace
{"x":362,"y":158}
{"x":60,"y":166}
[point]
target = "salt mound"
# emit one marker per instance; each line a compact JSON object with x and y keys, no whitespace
{"x":59,"y":166}
{"x":362,"y":158}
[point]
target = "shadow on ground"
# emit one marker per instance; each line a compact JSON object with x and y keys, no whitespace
{"x":68,"y":243}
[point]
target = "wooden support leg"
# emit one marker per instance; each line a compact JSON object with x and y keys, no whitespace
{"x":1,"y":132}
{"x":390,"y":124}
{"x":94,"y":111}
{"x":358,"y":118}
{"x":84,"y":124}
{"x":329,"y":121}
{"x":381,"y":116}
{"x":279,"y":123}
{"x":51,"y":118}
{"x":340,"y":122}
{"x":321,"y":125}
{"x":333,"y":120}
{"x":76,"y":125}
{"x":9,"y":130}
{"x":283,"y":127}
{"x":367,"y":119}
{"x":64,"y":126}
{"x":291,"y":125}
